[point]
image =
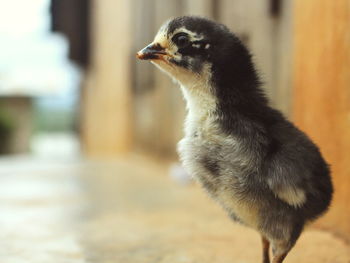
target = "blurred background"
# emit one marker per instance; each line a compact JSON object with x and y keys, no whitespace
{"x":80,"y":117}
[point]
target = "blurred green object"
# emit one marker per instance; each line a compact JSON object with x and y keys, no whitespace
{"x":7,"y":126}
{"x":53,"y":120}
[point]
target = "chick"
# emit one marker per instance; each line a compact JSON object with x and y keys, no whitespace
{"x":258,"y":166}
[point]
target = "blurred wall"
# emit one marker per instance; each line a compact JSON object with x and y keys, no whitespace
{"x":321,"y":104}
{"x":106,"y":110}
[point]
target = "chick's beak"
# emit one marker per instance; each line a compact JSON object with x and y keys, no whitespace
{"x":152,"y":51}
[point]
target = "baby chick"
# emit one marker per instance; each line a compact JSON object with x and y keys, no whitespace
{"x":258,"y":166}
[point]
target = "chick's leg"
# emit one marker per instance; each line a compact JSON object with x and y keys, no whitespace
{"x":280,"y":250}
{"x":279,"y":259}
{"x":281,"y":247}
{"x":266,"y":247}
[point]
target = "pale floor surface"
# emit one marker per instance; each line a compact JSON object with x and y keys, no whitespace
{"x":126,"y":211}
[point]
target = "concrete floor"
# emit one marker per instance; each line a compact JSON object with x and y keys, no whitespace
{"x":126,"y":211}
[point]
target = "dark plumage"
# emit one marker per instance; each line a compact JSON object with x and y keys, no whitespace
{"x":265,"y":172}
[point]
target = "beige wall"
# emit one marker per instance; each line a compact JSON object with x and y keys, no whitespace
{"x":322,"y":93}
{"x":106,"y":120}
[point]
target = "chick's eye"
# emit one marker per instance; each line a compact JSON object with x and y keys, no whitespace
{"x":181,"y":40}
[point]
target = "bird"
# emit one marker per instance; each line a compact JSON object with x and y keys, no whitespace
{"x":256,"y":164}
